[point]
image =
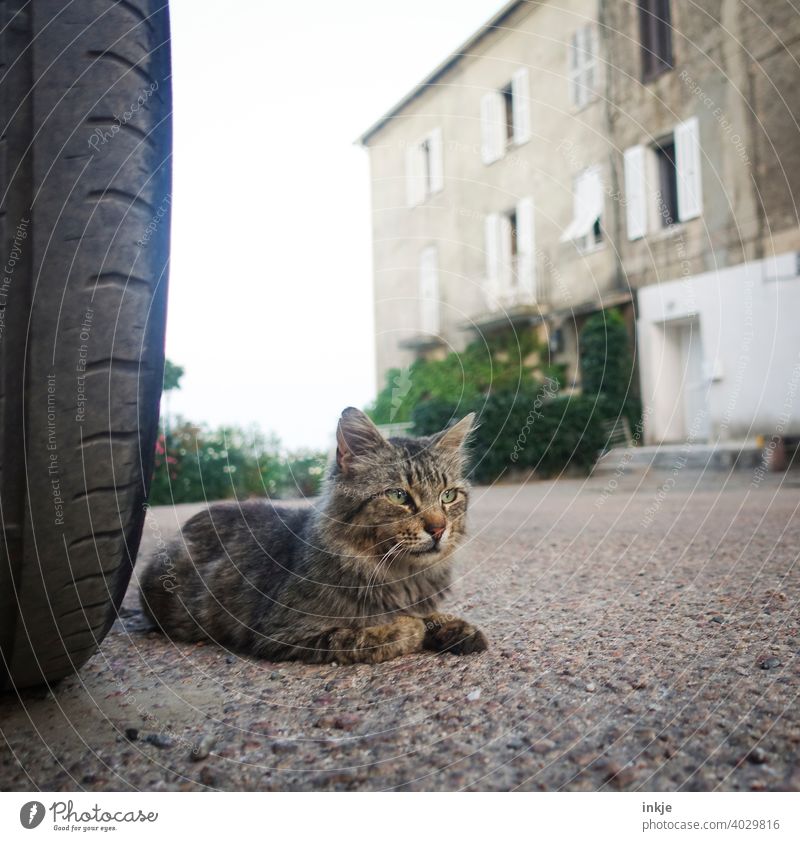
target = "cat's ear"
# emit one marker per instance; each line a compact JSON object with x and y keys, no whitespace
{"x":356,"y":436}
{"x":457,"y":435}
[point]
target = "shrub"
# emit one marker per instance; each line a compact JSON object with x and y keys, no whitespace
{"x":527,"y":428}
{"x":606,"y":365}
{"x":459,"y":379}
{"x":197,"y":463}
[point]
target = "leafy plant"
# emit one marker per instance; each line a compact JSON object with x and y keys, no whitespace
{"x":196,"y":463}
{"x":606,"y":365}
{"x":505,"y":362}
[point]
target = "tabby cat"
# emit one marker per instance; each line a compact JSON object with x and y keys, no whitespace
{"x":355,"y":578}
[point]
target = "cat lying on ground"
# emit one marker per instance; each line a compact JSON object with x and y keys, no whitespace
{"x":356,"y":578}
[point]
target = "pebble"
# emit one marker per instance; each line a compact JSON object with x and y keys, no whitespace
{"x":208,"y":777}
{"x":757,"y":756}
{"x":159,"y":741}
{"x":474,"y":695}
{"x":346,"y":721}
{"x":770,"y":663}
{"x":543,"y":746}
{"x":284,"y":746}
{"x":131,"y":733}
{"x":203,"y":748}
{"x":590,"y":687}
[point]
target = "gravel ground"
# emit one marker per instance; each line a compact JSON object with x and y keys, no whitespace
{"x":643,"y":637}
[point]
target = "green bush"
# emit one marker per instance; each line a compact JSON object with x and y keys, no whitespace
{"x":606,"y":365}
{"x":527,"y":428}
{"x":196,"y":463}
{"x":505,"y":362}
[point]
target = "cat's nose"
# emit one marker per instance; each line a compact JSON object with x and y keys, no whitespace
{"x":435,"y":530}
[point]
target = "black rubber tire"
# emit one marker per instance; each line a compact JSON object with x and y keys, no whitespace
{"x":85,"y":155}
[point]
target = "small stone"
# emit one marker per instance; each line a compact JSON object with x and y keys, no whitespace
{"x":131,"y":733}
{"x":208,"y":777}
{"x":590,"y":687}
{"x":757,"y":756}
{"x":718,"y":619}
{"x":203,"y":748}
{"x":158,"y":740}
{"x":230,"y":659}
{"x":346,"y":721}
{"x":284,"y":746}
{"x":624,"y":778}
{"x":770,"y":663}
{"x":543,"y":746}
{"x":474,"y":695}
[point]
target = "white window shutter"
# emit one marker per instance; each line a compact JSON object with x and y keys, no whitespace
{"x":492,"y":244}
{"x":435,"y":161}
{"x":687,"y":164}
{"x":429,"y":290}
{"x":526,"y":250}
{"x":573,"y":70}
{"x":493,"y":129}
{"x":415,"y":175}
{"x":635,"y":192}
{"x":590,"y":62}
{"x":521,"y":105}
{"x":506,"y":256}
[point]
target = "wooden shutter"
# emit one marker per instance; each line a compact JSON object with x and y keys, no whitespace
{"x":429,"y":290}
{"x":492,"y":245}
{"x":415,"y":175}
{"x":574,"y":69}
{"x":435,"y":161}
{"x":589,"y":62}
{"x":506,"y":256}
{"x":493,"y":128}
{"x":520,"y":102}
{"x":687,"y":165}
{"x":635,"y":192}
{"x":526,"y":250}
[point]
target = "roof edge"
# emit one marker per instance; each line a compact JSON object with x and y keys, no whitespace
{"x":453,"y":58}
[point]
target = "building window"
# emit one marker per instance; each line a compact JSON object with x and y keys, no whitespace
{"x":585,"y":229}
{"x":583,"y":65}
{"x":424,"y":168}
{"x":505,"y":117}
{"x":663,"y":182}
{"x":667,"y":182}
{"x":655,"y":33}
{"x":510,"y":256}
{"x":508,"y":110}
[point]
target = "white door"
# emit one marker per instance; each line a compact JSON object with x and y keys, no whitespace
{"x":696,"y":383}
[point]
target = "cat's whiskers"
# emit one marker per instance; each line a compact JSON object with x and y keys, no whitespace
{"x":382,"y":565}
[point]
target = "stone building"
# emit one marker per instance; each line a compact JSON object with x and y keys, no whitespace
{"x":575,"y":156}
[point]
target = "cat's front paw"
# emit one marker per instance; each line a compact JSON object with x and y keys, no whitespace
{"x":454,"y":636}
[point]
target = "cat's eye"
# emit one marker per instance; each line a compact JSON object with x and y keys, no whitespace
{"x":449,"y":495}
{"x":397,"y":495}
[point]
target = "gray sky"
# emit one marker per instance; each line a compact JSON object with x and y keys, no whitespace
{"x":270,"y":307}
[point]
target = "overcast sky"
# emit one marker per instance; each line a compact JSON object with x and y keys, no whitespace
{"x":270,"y":308}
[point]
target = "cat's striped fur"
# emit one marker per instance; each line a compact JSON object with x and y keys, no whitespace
{"x":357,"y":577}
